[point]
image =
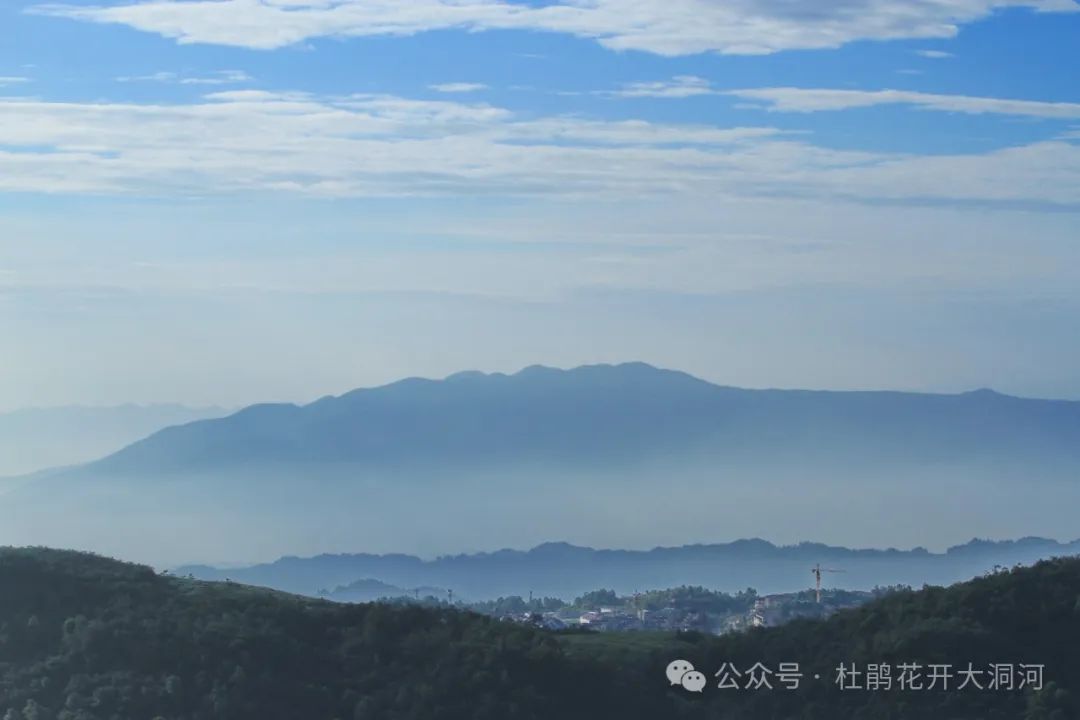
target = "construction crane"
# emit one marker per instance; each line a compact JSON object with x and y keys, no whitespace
{"x":817,"y":570}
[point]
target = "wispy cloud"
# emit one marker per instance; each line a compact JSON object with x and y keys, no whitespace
{"x":680,"y":86}
{"x":934,"y":54}
{"x":218,"y":77}
{"x":8,"y":81}
{"x":375,"y":145}
{"x":806,"y":100}
{"x":458,"y":87}
{"x":665,"y":27}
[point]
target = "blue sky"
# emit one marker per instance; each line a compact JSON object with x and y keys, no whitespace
{"x":226,"y":201}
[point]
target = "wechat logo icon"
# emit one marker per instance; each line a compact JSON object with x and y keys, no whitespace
{"x":681,"y":672}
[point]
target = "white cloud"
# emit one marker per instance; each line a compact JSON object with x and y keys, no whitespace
{"x":680,"y":86}
{"x":458,"y":87}
{"x":162,"y":77}
{"x":1010,"y":175}
{"x":11,"y":80}
{"x":934,"y":54}
{"x":373,"y":145}
{"x":218,"y":77}
{"x":788,"y":99}
{"x":666,"y":27}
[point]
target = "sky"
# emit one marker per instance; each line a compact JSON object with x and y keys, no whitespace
{"x":219,"y":202}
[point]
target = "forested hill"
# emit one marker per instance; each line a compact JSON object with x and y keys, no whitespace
{"x":85,"y":638}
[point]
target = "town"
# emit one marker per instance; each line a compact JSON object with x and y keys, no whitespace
{"x":682,"y":609}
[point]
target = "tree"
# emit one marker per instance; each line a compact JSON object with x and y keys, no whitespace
{"x":33,"y":711}
{"x":597,"y":598}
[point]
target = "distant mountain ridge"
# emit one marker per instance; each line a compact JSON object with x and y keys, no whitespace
{"x":369,"y":590}
{"x":519,"y":416}
{"x":566,"y":571}
{"x":604,"y":455}
{"x":34,"y":439}
{"x":604,"y":413}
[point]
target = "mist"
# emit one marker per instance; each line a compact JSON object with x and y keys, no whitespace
{"x":261,"y":514}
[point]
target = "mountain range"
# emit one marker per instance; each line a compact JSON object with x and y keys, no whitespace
{"x":607,"y":455}
{"x":604,"y":414}
{"x":367,"y":590}
{"x":567,"y":571}
{"x":39,"y":438}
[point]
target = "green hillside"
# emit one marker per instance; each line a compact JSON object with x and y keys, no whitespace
{"x":86,"y":638}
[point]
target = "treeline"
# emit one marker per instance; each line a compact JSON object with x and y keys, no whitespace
{"x":688,"y":598}
{"x":1011,"y":619}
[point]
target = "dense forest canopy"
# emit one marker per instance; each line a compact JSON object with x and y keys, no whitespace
{"x":87,"y":638}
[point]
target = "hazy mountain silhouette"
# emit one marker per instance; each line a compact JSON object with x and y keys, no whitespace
{"x":623,"y":456}
{"x":38,"y":438}
{"x":567,"y":571}
{"x":370,"y":590}
{"x":602,"y":413}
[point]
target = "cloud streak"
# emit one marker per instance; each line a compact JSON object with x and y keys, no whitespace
{"x":378,"y":145}
{"x":934,"y":54}
{"x":219,"y":77}
{"x":458,"y":87}
{"x":808,"y":100}
{"x":680,"y":86}
{"x":664,"y":27}
{"x":359,"y":145}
